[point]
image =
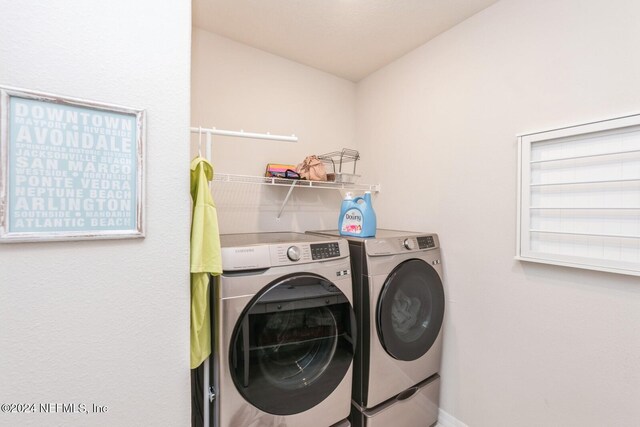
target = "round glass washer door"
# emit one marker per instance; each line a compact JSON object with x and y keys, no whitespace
{"x":293,"y":344}
{"x":410,"y":310}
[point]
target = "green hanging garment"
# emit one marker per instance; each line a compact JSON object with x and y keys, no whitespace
{"x":205,"y":258}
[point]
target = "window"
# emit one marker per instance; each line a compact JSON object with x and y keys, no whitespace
{"x":579,"y":196}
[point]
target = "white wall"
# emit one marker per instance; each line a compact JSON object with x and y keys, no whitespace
{"x":237,"y":87}
{"x":104,"y":322}
{"x":525,"y":344}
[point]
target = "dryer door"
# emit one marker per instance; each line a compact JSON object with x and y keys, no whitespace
{"x":293,"y":344}
{"x":410,"y":310}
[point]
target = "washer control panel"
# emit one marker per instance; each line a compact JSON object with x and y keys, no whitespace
{"x":257,"y":251}
{"x":305,"y":252}
{"x":426,"y":242}
{"x":325,"y":250}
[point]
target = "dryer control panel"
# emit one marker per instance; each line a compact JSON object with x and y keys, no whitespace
{"x":402,"y":244}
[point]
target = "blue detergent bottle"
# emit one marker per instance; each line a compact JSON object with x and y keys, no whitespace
{"x":357,"y":217}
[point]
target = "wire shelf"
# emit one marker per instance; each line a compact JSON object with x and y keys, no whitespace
{"x":298,"y":183}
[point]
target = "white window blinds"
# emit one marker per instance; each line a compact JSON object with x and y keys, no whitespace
{"x":579,"y":196}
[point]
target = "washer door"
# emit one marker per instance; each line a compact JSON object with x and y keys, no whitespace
{"x":410,"y":310}
{"x":293,"y":344}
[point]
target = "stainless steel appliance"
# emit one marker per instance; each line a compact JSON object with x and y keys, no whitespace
{"x":399,"y":304}
{"x":284,"y":331}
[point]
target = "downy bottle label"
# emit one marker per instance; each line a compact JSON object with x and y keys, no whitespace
{"x":352,"y":222}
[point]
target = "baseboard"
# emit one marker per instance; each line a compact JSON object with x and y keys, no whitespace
{"x":445,"y":419}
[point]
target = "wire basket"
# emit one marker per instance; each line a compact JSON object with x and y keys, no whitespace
{"x":334,"y":162}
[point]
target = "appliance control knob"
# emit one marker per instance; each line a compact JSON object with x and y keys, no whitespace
{"x":293,"y":253}
{"x":408,"y":244}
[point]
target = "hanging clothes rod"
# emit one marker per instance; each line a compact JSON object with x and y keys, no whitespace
{"x":243,"y":134}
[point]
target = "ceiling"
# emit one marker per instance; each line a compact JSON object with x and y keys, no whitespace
{"x":347,"y":38}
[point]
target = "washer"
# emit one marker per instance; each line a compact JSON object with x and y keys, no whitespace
{"x":399,"y":303}
{"x":284,"y":331}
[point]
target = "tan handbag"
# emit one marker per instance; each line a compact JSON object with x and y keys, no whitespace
{"x":312,"y":169}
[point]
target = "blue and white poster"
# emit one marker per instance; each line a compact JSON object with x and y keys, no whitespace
{"x":71,"y":169}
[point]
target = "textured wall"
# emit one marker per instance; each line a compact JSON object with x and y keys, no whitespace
{"x":236,"y":87}
{"x":104,"y":322}
{"x":525,"y":344}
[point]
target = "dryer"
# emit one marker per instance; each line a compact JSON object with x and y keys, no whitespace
{"x":399,"y":304}
{"x":284,"y":331}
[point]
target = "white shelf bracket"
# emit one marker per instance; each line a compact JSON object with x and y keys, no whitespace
{"x":286,"y":199}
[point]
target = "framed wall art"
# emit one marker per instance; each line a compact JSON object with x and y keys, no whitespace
{"x":70,"y":169}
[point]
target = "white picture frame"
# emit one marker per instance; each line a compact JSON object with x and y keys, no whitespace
{"x":578,"y":202}
{"x":70,"y":169}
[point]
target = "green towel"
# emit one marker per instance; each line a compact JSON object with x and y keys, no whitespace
{"x":205,"y":258}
